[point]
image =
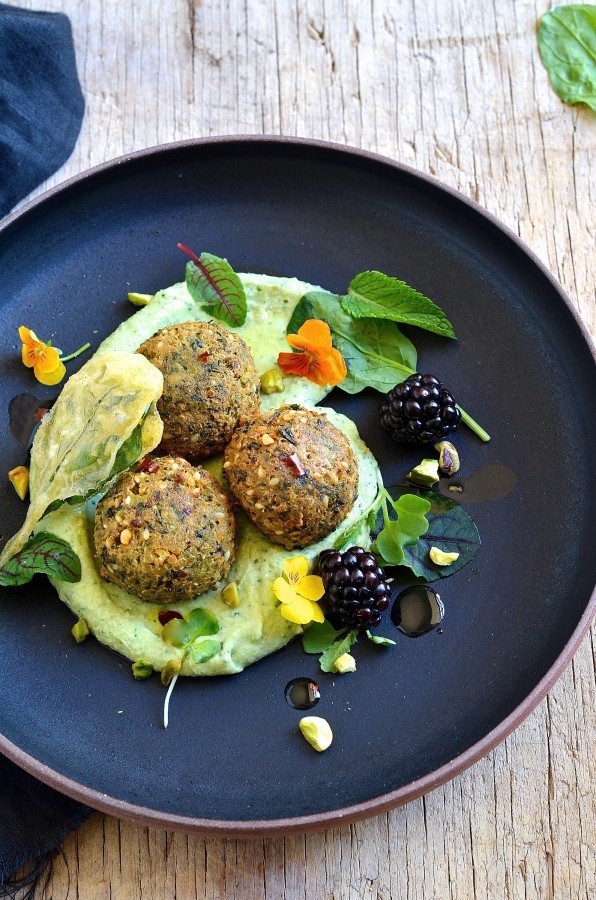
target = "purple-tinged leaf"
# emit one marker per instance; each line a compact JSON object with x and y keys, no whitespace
{"x":213,"y":284}
{"x":43,"y":554}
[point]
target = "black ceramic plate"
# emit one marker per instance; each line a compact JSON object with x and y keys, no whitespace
{"x":414,"y":715}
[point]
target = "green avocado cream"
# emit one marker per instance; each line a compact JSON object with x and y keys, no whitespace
{"x":254,"y":627}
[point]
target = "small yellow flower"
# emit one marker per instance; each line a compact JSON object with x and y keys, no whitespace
{"x":298,"y":592}
{"x":41,"y":357}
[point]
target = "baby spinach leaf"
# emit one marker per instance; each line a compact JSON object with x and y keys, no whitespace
{"x":372,"y":294}
{"x":213,"y":284}
{"x":567,"y":44}
{"x":319,"y":636}
{"x":337,"y":649}
{"x":43,"y":554}
{"x":376,"y":356}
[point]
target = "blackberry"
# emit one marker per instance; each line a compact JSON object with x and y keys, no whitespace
{"x":420,"y":410}
{"x":356,"y":589}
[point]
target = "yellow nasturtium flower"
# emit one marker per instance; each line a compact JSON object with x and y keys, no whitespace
{"x":41,"y":357}
{"x":298,"y":592}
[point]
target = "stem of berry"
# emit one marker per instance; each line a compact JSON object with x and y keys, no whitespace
{"x":471,"y":423}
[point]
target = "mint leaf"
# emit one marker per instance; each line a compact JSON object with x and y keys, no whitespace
{"x":407,"y":528}
{"x":213,"y":284}
{"x":319,"y":636}
{"x":336,"y":650}
{"x":567,"y":44}
{"x":43,"y":554}
{"x":376,"y":356}
{"x":374,"y":295}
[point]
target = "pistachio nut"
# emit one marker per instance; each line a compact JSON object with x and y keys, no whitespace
{"x":345,"y":663}
{"x":448,"y":458}
{"x":316,"y":731}
{"x":141,"y":669}
{"x":80,"y":631}
{"x":441,"y":557}
{"x":19,"y":478}
{"x":425,"y":474}
{"x":229,"y":595}
{"x":272,"y":382}
{"x":140,"y":299}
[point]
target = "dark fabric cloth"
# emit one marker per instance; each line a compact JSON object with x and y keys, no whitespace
{"x":41,"y":103}
{"x":34,"y":820}
{"x":41,"y":110}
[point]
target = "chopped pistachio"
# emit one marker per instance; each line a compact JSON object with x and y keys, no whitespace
{"x":171,"y":668}
{"x":448,"y":458}
{"x":229,"y":595}
{"x":316,"y":731}
{"x":425,"y":474}
{"x":441,"y":557}
{"x":272,"y":382}
{"x":140,"y":299}
{"x":141,"y":669}
{"x":345,"y":663}
{"x":19,"y":478}
{"x":80,"y":631}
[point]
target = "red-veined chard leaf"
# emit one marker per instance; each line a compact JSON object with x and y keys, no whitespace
{"x":43,"y":554}
{"x":214,"y":285}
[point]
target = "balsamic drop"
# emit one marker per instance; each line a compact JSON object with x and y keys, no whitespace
{"x":417,"y":610}
{"x":302,"y":693}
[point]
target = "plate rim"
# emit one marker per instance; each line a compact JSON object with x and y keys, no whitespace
{"x":406,"y":793}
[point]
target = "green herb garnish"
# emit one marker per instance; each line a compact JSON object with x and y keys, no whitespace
{"x":374,"y":295}
{"x":567,"y":44}
{"x":448,"y":526}
{"x":43,"y":554}
{"x":337,"y":649}
{"x":213,"y":284}
{"x":376,"y":356}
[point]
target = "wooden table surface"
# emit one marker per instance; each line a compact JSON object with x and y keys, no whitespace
{"x":454,"y":88}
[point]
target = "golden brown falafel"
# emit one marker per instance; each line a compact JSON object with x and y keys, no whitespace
{"x":294,"y":474}
{"x":165,"y":533}
{"x":210,"y":385}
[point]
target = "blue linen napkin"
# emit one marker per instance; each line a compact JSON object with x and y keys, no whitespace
{"x":41,"y":103}
{"x":41,"y":110}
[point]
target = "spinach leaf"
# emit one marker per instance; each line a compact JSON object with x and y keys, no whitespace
{"x":43,"y":554}
{"x":567,"y":44}
{"x":374,"y":295}
{"x":212,"y":282}
{"x":376,"y":356}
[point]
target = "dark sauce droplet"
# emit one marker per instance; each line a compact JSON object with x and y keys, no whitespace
{"x":417,"y":610}
{"x":302,"y":693}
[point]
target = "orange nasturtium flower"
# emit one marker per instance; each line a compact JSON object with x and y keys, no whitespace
{"x":298,"y":592}
{"x":41,"y":357}
{"x":317,"y":359}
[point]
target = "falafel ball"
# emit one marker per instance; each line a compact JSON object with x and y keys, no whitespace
{"x":165,"y":533}
{"x":294,"y":474}
{"x":210,"y":385}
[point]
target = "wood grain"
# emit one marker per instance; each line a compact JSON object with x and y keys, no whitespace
{"x":454,"y":88}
